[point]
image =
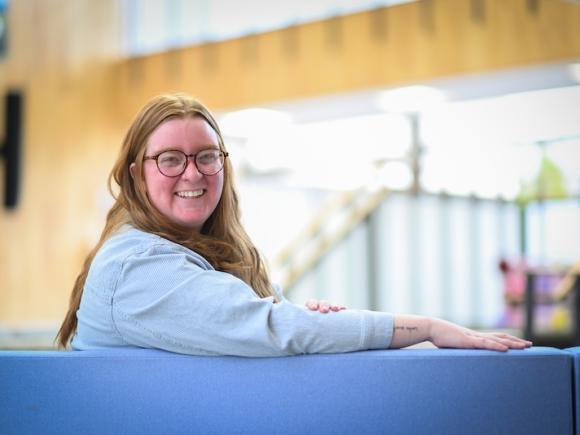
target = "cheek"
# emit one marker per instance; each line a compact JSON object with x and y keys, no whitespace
{"x":157,"y":186}
{"x":219,"y":186}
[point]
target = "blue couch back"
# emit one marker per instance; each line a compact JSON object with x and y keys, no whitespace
{"x":409,"y":391}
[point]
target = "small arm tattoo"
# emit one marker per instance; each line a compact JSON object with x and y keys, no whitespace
{"x":406,"y":328}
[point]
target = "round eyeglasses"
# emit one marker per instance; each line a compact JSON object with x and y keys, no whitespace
{"x":172,"y":163}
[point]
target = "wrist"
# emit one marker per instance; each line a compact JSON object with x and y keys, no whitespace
{"x":431,"y":324}
{"x":410,"y":329}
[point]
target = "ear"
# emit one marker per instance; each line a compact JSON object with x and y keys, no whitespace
{"x":133,"y":172}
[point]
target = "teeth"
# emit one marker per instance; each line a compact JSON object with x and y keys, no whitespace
{"x":190,"y":194}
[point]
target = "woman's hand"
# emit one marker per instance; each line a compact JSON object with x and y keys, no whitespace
{"x":447,"y":334}
{"x":323,"y":306}
{"x":409,"y":330}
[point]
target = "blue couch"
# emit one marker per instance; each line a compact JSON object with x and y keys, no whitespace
{"x":575,"y":352}
{"x":407,"y":391}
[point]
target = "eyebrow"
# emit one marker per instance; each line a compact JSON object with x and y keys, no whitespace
{"x":203,"y":148}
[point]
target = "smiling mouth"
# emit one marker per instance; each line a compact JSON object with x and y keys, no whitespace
{"x":190,"y":193}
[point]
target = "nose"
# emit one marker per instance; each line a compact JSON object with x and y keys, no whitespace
{"x":191,"y":172}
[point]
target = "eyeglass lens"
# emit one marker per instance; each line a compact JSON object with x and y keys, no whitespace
{"x":173,"y":163}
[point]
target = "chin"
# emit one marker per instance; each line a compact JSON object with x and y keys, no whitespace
{"x":196,"y":226}
{"x":193,"y":224}
{"x":190,"y":219}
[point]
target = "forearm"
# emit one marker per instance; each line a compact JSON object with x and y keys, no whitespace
{"x":409,"y":330}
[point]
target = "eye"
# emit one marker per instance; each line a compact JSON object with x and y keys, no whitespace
{"x":208,"y":157}
{"x":170,"y":158}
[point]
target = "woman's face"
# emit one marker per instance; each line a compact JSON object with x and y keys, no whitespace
{"x":190,"y":198}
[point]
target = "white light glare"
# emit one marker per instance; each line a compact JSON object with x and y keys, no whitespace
{"x":396,"y":176}
{"x":265,"y":134}
{"x":574,"y":71}
{"x":410,"y":99}
{"x":247,"y":122}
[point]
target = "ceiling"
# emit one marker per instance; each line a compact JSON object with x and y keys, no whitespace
{"x":467,"y":87}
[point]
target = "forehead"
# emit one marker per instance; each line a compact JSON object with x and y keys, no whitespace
{"x":182,"y":133}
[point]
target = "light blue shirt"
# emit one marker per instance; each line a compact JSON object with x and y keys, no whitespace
{"x":146,"y":291}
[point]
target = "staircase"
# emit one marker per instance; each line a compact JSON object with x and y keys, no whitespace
{"x":336,"y":219}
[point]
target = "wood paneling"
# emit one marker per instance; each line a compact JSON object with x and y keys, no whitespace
{"x":80,"y":96}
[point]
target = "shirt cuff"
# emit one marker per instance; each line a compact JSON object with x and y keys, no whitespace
{"x":378,"y":330}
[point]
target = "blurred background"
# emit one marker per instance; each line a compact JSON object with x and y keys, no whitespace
{"x":408,"y":156}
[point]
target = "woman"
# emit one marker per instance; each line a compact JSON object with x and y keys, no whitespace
{"x":175,"y":270}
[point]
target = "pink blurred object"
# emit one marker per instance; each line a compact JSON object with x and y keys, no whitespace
{"x":514,"y":280}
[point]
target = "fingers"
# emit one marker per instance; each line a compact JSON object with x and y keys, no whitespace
{"x":511,"y":341}
{"x":489,"y":343}
{"x":312,"y":304}
{"x":499,"y":341}
{"x":323,"y":306}
{"x":516,"y":339}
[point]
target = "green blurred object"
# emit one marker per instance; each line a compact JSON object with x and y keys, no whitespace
{"x":548,"y":184}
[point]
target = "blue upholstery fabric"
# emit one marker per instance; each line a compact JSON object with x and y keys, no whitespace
{"x":575,"y":351}
{"x":408,"y":391}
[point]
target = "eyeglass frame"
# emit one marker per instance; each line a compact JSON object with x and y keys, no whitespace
{"x":187,"y":158}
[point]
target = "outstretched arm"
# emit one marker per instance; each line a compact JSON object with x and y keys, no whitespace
{"x":409,"y":330}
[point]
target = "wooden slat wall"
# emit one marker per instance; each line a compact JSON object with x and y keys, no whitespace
{"x":384,"y":47}
{"x":80,"y":95}
{"x":60,"y":54}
